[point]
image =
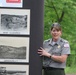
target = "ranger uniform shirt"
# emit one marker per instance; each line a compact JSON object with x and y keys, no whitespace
{"x":61,"y":47}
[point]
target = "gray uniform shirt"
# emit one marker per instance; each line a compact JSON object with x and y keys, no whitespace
{"x":61,"y":47}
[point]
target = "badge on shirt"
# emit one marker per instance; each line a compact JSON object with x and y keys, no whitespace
{"x":58,"y":46}
{"x":66,"y":45}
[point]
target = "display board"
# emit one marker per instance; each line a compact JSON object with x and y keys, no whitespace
{"x":21,"y":34}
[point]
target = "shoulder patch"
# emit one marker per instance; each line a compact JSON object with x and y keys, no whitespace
{"x":66,"y":45}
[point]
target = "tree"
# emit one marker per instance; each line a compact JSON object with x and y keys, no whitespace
{"x":64,"y":12}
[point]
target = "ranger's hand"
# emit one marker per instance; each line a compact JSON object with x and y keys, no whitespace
{"x":42,"y":52}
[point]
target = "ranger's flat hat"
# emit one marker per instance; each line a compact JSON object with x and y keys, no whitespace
{"x":55,"y":25}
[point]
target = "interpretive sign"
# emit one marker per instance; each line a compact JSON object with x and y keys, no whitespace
{"x":11,"y":3}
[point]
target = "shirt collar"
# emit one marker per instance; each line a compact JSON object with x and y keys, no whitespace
{"x":50,"y":42}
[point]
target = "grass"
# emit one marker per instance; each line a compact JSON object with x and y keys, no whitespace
{"x":70,"y":70}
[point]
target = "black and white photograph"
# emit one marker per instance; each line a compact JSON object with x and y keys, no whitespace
{"x":14,"y":69}
{"x":15,"y":21}
{"x":14,"y":49}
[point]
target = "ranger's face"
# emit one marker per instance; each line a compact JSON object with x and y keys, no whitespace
{"x":55,"y":34}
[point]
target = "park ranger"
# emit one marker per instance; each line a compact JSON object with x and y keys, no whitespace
{"x":55,"y":52}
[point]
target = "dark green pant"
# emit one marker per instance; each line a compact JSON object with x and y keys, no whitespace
{"x":54,"y":72}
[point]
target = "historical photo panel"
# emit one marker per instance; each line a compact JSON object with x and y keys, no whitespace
{"x":15,"y":21}
{"x":14,"y":49}
{"x":14,"y":69}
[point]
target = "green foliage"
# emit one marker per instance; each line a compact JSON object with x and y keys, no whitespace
{"x":70,"y":70}
{"x":64,"y":12}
